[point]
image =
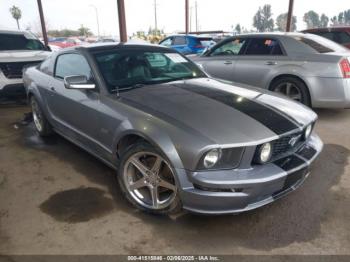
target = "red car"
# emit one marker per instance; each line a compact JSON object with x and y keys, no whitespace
{"x":340,"y":35}
{"x":65,"y":42}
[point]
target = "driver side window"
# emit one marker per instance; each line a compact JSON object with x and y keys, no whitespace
{"x":232,"y":47}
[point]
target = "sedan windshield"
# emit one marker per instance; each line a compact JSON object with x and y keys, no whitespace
{"x":19,"y":42}
{"x":134,"y":67}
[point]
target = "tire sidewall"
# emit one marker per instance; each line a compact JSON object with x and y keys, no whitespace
{"x":46,"y":127}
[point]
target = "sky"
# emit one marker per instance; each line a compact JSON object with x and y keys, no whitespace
{"x":212,"y":14}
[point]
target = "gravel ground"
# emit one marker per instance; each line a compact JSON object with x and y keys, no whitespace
{"x":57,"y":199}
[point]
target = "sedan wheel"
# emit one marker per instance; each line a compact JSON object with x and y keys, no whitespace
{"x":290,"y":90}
{"x":149,"y":180}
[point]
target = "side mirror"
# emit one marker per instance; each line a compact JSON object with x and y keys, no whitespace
{"x":78,"y":82}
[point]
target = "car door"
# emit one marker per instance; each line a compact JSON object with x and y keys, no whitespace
{"x":74,"y":111}
{"x":260,"y":59}
{"x":220,"y":61}
{"x":180,"y":44}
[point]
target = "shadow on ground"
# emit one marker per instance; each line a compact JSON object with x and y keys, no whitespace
{"x":295,"y":218}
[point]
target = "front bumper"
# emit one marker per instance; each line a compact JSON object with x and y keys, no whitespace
{"x":10,"y":87}
{"x":235,"y":191}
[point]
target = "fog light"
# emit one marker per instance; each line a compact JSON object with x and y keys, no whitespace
{"x":265,"y":152}
{"x":307,"y":132}
{"x":211,"y":158}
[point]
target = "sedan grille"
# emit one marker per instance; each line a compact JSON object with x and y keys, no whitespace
{"x":14,"y":69}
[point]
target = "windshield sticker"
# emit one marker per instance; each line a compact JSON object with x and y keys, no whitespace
{"x":176,"y":58}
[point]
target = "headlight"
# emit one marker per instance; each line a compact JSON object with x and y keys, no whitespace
{"x":265,"y":152}
{"x":307,"y":132}
{"x":211,"y":158}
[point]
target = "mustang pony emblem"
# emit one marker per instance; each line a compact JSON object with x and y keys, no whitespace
{"x":294,"y":140}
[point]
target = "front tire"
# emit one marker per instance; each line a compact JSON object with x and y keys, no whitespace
{"x":148,"y":180}
{"x":293,"y":88}
{"x":41,"y":124}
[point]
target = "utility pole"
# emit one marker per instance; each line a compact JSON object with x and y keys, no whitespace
{"x":122,"y":23}
{"x":98,"y":24}
{"x":290,"y":16}
{"x":196,"y":9}
{"x":155,"y":17}
{"x":186,"y":16}
{"x":42,"y":21}
{"x":191,"y":18}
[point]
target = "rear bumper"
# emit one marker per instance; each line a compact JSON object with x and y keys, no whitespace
{"x":329,"y":92}
{"x":235,"y":191}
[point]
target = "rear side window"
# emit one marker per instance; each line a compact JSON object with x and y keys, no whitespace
{"x":263,"y":46}
{"x":179,"y":40}
{"x":317,"y":46}
{"x":72,"y":64}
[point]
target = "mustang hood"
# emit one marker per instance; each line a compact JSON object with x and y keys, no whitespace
{"x":223,"y":113}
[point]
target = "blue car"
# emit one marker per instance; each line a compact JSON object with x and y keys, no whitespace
{"x":187,"y":44}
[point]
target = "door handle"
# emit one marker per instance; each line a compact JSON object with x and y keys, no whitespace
{"x":271,"y":63}
{"x":228,"y":63}
{"x":52,"y":89}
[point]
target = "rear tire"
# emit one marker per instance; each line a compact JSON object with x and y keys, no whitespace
{"x":293,"y":88}
{"x":148,"y":186}
{"x":41,"y":124}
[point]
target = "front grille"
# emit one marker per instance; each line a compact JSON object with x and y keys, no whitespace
{"x":14,"y":69}
{"x":283,"y":146}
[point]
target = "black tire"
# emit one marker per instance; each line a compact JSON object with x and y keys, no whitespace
{"x":174,"y":206}
{"x":297,"y":83}
{"x":42,"y":125}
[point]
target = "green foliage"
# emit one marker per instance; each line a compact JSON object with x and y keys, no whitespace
{"x":324,"y":20}
{"x":238,"y":29}
{"x":312,"y":19}
{"x":281,"y":22}
{"x":263,"y":20}
{"x":16,"y":14}
{"x":84,"y":31}
{"x":343,"y":18}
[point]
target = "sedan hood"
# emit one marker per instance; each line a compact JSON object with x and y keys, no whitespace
{"x":23,"y":55}
{"x":225,"y":114}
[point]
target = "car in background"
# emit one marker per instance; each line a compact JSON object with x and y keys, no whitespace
{"x":18,"y":49}
{"x":106,"y":40}
{"x":305,"y":67}
{"x":340,"y":35}
{"x":63,"y":42}
{"x":187,"y":44}
{"x":176,"y":138}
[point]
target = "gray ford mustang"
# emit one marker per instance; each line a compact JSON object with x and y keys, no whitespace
{"x":177,"y":138}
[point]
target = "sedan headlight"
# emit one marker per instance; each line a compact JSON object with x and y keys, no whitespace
{"x":265,"y":152}
{"x":211,"y":158}
{"x":307,"y":131}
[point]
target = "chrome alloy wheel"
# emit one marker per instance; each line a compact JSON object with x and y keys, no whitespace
{"x":150,"y":180}
{"x":37,"y":116}
{"x":290,"y":90}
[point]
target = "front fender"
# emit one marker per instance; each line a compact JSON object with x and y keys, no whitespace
{"x":155,"y":135}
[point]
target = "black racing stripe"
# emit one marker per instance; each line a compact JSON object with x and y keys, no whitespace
{"x":263,"y":114}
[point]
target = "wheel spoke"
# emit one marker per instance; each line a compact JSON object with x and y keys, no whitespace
{"x":167,"y":185}
{"x":140,"y":166}
{"x":156,"y":166}
{"x":154,"y":195}
{"x":138,"y":184}
{"x":288,"y":89}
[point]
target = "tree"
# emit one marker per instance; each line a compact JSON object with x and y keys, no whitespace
{"x":324,"y":20}
{"x":84,"y":31}
{"x":281,"y":22}
{"x":343,"y":18}
{"x":263,"y":20}
{"x":238,"y":29}
{"x":16,"y":14}
{"x":312,"y":19}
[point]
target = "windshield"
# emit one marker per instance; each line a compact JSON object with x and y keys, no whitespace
{"x":19,"y":42}
{"x":130,"y":67}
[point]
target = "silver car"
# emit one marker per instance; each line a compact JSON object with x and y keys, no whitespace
{"x":307,"y":68}
{"x":176,"y":137}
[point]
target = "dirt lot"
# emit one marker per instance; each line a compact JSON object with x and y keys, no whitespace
{"x":57,"y":199}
